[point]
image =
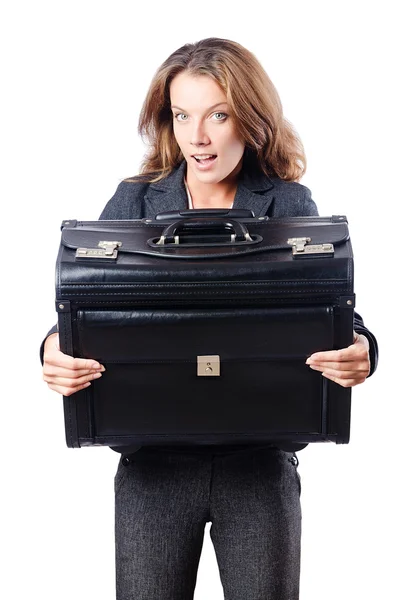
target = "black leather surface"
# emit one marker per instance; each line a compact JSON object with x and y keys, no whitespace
{"x":148,"y":318}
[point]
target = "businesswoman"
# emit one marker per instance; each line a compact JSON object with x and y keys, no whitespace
{"x":216,"y":137}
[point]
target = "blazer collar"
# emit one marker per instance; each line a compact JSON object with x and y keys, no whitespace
{"x":170,"y":193}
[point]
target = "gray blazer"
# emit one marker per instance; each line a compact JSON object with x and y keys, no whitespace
{"x":255,"y":191}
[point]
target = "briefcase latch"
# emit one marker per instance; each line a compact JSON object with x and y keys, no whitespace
{"x":105,"y":250}
{"x":208,"y":366}
{"x":301,"y":248}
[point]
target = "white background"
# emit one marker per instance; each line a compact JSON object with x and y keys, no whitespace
{"x":73,"y":77}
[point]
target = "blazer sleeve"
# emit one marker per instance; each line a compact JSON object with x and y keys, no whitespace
{"x":308,"y":206}
{"x":53,"y":329}
{"x":127,"y":202}
{"x":359,"y":327}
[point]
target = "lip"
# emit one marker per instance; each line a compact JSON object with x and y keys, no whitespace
{"x":201,"y":167}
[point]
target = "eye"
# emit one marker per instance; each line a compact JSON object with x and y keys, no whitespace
{"x":220,"y":116}
{"x":177,"y":115}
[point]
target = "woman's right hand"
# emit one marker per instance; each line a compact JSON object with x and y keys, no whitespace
{"x":65,"y":374}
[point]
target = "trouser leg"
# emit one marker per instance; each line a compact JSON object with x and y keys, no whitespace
{"x":160,"y":515}
{"x":256,"y":525}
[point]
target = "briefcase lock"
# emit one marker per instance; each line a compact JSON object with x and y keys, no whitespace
{"x":208,"y":366}
{"x":105,"y":250}
{"x":302,"y":249}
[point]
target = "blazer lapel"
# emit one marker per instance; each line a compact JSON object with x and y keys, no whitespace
{"x":253,"y":192}
{"x":167,"y":194}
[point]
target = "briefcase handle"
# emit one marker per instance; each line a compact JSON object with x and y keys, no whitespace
{"x":171,"y":233}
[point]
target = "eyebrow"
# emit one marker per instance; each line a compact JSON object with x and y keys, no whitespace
{"x":210,"y":108}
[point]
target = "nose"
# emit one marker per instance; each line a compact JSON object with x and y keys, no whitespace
{"x":199,"y":136}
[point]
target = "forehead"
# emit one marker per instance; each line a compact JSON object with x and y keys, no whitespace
{"x":195,"y":92}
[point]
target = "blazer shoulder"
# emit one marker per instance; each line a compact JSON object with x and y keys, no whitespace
{"x":127,"y":202}
{"x":292,"y":199}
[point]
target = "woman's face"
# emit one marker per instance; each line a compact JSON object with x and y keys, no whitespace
{"x":203,"y":127}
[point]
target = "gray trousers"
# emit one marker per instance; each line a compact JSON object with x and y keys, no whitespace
{"x":165,"y":498}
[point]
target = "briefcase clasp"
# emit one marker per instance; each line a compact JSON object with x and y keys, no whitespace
{"x":302,"y":248}
{"x":105,"y":250}
{"x":298,"y":243}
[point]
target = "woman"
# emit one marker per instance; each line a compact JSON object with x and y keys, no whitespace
{"x":217,"y":138}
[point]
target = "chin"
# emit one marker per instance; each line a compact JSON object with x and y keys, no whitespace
{"x":210,"y":177}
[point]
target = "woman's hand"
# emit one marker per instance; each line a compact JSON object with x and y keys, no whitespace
{"x":348,"y":367}
{"x":65,"y":374}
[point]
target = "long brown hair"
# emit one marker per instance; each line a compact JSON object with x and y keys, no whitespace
{"x":272,"y":145}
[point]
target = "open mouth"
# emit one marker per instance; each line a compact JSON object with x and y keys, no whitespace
{"x":206,"y":159}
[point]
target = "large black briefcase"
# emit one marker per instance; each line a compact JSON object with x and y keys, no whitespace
{"x":204,"y":324}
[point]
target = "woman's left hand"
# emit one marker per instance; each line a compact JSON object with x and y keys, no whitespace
{"x":348,"y":367}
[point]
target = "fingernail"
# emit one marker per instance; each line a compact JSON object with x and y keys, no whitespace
{"x":96,"y":365}
{"x":96,"y":375}
{"x":309,"y":360}
{"x":103,"y":368}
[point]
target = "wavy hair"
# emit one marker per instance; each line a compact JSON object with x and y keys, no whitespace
{"x":272,"y":144}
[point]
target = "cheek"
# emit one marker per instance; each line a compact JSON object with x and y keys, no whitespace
{"x":239,"y":146}
{"x":235,"y":147}
{"x":180,"y":136}
{"x":232,"y":142}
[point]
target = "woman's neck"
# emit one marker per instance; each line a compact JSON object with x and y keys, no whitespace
{"x":213,"y":199}
{"x":212,"y":195}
